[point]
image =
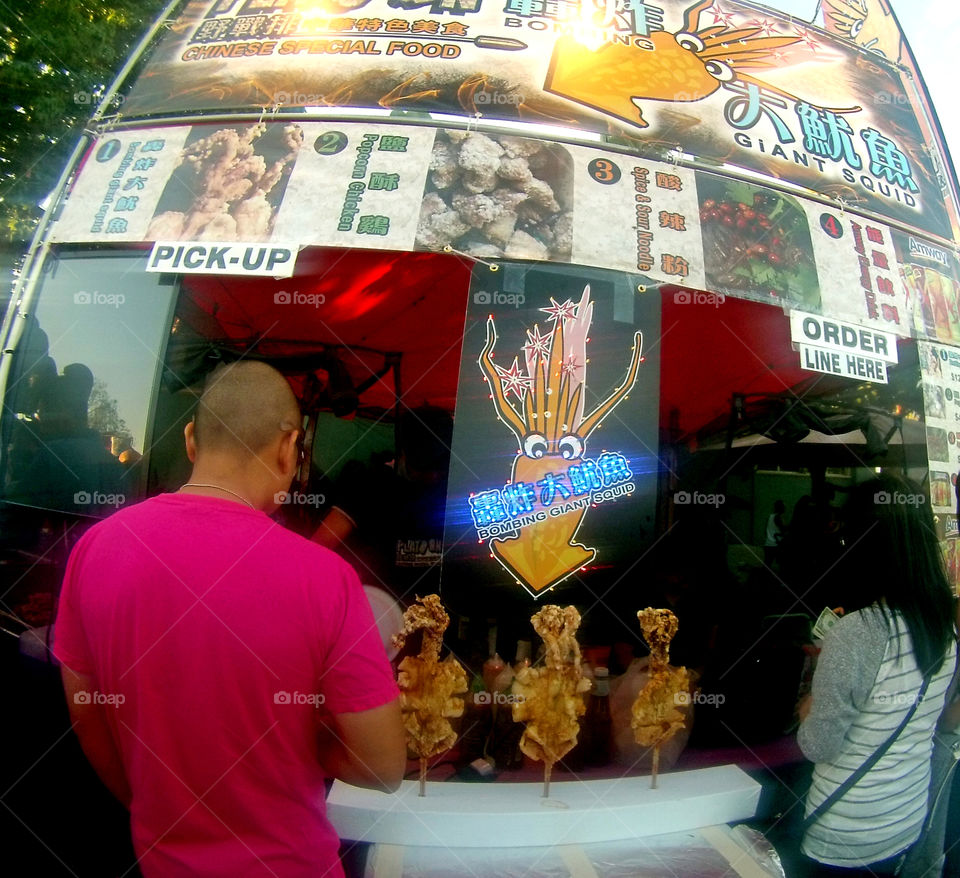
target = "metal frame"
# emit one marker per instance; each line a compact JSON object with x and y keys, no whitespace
{"x":25,"y":288}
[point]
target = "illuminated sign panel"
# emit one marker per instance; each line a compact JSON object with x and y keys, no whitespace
{"x":535,"y":482}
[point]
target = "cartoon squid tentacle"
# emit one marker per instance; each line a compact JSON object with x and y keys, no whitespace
{"x":505,"y":410}
{"x":691,"y":17}
{"x":592,"y":421}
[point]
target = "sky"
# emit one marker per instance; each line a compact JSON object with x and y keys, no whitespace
{"x":933,"y":31}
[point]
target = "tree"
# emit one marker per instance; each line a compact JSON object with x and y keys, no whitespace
{"x":57,"y":58}
{"x":103,"y":414}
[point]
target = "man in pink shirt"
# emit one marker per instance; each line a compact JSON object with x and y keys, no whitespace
{"x":218,"y":668}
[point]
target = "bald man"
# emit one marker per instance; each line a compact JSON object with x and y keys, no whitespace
{"x":218,"y":668}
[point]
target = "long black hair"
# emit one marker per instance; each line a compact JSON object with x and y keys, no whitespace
{"x":894,"y":559}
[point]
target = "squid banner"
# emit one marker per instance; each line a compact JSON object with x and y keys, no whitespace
{"x":726,"y":82}
{"x":554,"y":457}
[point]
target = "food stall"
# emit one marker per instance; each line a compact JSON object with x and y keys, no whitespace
{"x":640,"y":270}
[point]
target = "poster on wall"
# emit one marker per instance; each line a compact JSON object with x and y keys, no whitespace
{"x":858,"y":271}
{"x":930,"y":278}
{"x":498,"y":196}
{"x":724,"y":81}
{"x":940,"y":379}
{"x":554,"y":462}
{"x":307,"y":183}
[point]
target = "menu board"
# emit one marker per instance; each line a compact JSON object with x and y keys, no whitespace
{"x":736,"y":85}
{"x":940,"y":377}
{"x":499,"y":196}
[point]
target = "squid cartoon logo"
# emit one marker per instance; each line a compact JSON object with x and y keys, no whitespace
{"x":532,"y":522}
{"x":619,"y":78}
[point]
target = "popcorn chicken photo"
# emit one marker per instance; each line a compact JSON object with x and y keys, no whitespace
{"x":498,"y":196}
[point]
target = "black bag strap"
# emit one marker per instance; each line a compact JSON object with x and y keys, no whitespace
{"x":871,"y":760}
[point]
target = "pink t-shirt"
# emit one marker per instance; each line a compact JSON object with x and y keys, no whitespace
{"x":211,"y":632}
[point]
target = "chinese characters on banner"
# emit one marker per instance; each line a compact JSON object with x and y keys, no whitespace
{"x":650,"y":217}
{"x":349,"y":186}
{"x":115,"y":195}
{"x":723,"y":81}
{"x":940,"y":377}
{"x":356,"y":186}
{"x":858,"y":271}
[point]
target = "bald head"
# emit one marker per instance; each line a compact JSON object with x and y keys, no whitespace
{"x":243,"y":408}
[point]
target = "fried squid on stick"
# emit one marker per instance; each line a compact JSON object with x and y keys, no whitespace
{"x":549,"y":697}
{"x":428,"y":686}
{"x":655,"y":716}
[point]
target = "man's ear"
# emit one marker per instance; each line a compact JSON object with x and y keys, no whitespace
{"x":190,"y":442}
{"x":288,"y":454}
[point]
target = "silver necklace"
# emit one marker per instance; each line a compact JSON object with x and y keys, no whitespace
{"x":218,"y":488}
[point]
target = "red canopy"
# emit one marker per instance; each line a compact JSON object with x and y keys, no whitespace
{"x":370,"y":302}
{"x":364,"y":303}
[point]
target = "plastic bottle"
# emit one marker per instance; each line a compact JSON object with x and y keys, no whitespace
{"x":523,"y":656}
{"x":492,"y":668}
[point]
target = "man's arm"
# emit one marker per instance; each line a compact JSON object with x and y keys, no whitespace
{"x":334,"y":529}
{"x":367,"y":748}
{"x":90,"y":724}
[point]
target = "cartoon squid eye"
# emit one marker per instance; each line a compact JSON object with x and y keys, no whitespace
{"x":856,"y":27}
{"x":570,"y":447}
{"x":721,"y":71}
{"x":690,"y":41}
{"x":534,"y":445}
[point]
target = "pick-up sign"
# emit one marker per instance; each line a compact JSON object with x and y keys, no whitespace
{"x":213,"y":257}
{"x":838,"y":348}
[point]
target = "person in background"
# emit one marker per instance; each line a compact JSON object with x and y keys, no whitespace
{"x":776,"y":528}
{"x":219,"y":668}
{"x":388,"y":517}
{"x":899,"y":628}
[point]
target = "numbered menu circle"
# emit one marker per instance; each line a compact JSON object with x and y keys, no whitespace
{"x":330,"y":143}
{"x":831,"y":225}
{"x":604,"y":171}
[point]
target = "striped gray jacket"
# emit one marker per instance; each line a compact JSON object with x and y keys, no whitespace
{"x":865,"y":682}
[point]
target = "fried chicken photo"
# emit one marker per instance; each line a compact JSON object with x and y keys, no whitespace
{"x":656,"y":718}
{"x":231,"y":182}
{"x":550,"y":699}
{"x":428,"y":686}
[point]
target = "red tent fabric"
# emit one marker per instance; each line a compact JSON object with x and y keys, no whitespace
{"x":369,"y":302}
{"x":709,"y":352}
{"x":364,"y":303}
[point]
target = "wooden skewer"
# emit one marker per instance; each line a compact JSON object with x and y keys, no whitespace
{"x":547,"y":768}
{"x":656,"y":766}
{"x":423,"y":775}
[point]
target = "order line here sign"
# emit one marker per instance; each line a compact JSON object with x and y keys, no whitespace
{"x":834,"y":347}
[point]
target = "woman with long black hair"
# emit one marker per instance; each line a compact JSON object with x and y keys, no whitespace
{"x":897,"y":636}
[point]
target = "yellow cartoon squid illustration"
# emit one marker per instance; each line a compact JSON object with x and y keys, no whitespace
{"x":618,"y":78}
{"x":869,"y":23}
{"x":551,"y":429}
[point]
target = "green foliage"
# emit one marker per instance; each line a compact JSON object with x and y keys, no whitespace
{"x":56,"y":58}
{"x":103,"y":414}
